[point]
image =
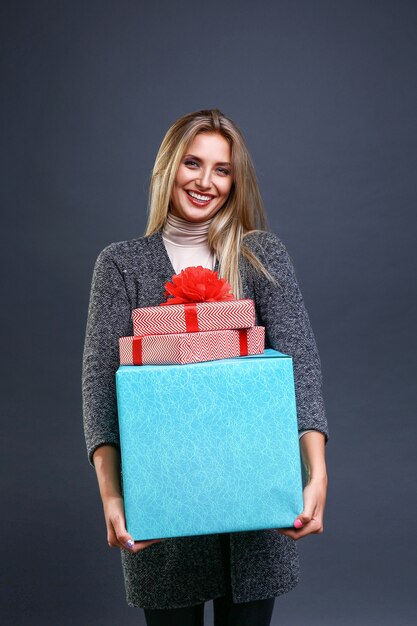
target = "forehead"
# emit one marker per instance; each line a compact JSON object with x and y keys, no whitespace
{"x":210,"y":145}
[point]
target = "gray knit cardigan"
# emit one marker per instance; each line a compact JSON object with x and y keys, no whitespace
{"x":184,"y":571}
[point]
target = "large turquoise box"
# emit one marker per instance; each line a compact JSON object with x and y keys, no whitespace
{"x":209,"y":447}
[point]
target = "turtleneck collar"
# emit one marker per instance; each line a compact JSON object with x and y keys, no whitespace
{"x":181,"y":232}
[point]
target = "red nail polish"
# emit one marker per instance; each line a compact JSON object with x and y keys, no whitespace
{"x":298,"y":523}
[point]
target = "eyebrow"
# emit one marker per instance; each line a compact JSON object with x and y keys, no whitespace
{"x":198,"y":159}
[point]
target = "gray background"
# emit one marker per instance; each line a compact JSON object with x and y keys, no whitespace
{"x":325,"y":93}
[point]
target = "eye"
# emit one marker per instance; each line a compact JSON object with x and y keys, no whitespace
{"x":190,"y":162}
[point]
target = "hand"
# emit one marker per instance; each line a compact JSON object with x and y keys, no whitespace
{"x":117,"y":535}
{"x":314,"y":495}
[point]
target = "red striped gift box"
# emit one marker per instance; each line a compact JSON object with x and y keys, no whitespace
{"x":182,"y":348}
{"x":194,"y":317}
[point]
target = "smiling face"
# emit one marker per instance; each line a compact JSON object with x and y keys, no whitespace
{"x":204,"y":178}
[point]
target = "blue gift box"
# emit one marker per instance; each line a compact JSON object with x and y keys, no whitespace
{"x":209,"y":447}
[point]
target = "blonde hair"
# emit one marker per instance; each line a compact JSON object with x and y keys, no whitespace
{"x":243,"y":211}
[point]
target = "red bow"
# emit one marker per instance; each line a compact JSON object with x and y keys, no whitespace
{"x":197,"y":284}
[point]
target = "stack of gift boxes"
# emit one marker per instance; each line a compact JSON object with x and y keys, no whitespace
{"x":200,"y":321}
{"x":192,"y":333}
{"x":210,"y":443}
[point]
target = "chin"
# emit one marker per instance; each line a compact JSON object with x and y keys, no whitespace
{"x":194,"y":216}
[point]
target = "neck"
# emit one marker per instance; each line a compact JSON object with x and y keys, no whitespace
{"x":179,"y":231}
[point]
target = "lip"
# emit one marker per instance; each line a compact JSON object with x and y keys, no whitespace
{"x":200,"y":193}
{"x":196,"y":202}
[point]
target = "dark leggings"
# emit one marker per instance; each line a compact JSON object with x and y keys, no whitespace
{"x":226,"y":613}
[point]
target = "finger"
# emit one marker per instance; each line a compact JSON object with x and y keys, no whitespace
{"x":294,"y":534}
{"x":319,"y":530}
{"x":283,"y":531}
{"x":306,"y":515}
{"x":141,"y":545}
{"x":124,"y":539}
{"x":111,"y":536}
{"x":312,"y":527}
{"x":302,"y":519}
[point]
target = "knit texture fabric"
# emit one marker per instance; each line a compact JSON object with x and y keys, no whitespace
{"x":183,"y":571}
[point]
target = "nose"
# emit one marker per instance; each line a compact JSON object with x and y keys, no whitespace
{"x":204,"y":180}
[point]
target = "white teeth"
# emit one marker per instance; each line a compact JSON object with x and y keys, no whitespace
{"x":198,"y":197}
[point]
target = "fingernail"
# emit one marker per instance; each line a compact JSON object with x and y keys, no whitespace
{"x":298,"y":523}
{"x":129,"y":543}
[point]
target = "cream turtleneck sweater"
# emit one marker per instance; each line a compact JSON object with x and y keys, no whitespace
{"x":186,"y":244}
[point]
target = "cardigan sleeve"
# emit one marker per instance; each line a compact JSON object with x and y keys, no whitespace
{"x":108,"y":318}
{"x":303,"y":432}
{"x":288,"y":329}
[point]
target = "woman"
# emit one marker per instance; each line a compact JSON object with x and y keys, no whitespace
{"x":205,"y":209}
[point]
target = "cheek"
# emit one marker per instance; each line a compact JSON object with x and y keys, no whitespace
{"x":182,"y":177}
{"x":226,"y":189}
{"x":175,"y":194}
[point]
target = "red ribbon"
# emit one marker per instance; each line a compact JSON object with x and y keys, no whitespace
{"x":243,"y":341}
{"x":137,"y":350}
{"x":191,"y":319}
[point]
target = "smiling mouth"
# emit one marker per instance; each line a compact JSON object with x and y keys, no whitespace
{"x":198,"y":198}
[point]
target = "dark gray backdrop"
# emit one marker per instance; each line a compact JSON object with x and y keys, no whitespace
{"x":325,"y":93}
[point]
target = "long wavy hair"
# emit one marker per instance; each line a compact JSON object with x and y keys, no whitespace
{"x":242,"y":213}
